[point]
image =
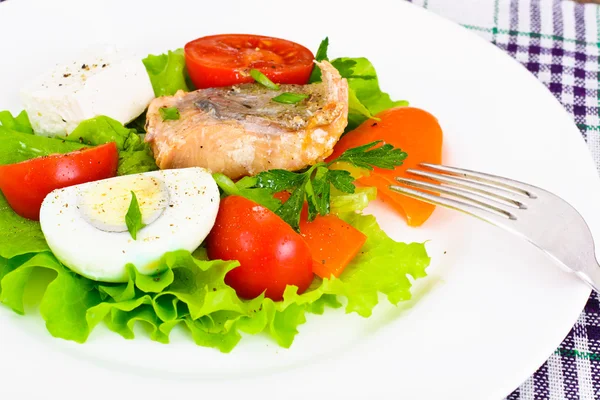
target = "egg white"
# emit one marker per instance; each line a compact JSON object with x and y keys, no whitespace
{"x":103,"y":256}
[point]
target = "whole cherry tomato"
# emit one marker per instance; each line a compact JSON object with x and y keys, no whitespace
{"x":271,"y":254}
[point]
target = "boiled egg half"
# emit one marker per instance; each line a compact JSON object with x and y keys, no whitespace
{"x":85,"y":226}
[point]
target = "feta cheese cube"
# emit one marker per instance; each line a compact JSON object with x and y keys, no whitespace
{"x":107,"y":84}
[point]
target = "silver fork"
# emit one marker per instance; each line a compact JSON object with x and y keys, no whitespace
{"x":540,"y":217}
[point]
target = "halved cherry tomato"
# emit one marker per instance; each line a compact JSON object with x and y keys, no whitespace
{"x":414,"y":131}
{"x":26,"y":184}
{"x":224,"y":60}
{"x":270,"y":253}
{"x":333,"y":243}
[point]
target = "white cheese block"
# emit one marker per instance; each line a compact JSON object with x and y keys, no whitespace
{"x":106,"y":84}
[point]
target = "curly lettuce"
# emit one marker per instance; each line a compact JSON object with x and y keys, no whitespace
{"x":18,"y":235}
{"x":191,"y":291}
{"x":17,"y":143}
{"x":20,"y":123}
{"x":365,"y":97}
{"x":135,"y":156}
{"x":167,"y":72}
{"x":17,"y":146}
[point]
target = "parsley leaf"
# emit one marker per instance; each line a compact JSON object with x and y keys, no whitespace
{"x":169,"y":113}
{"x":311,"y":200}
{"x":290,"y":210}
{"x":322,"y":51}
{"x":313,"y":185}
{"x":322,"y":188}
{"x":278,"y":180}
{"x":342,"y":180}
{"x":315,"y":75}
{"x":263,"y":80}
{"x":133,"y":218}
{"x":366,"y":156}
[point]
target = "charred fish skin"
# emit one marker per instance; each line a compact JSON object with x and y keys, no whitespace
{"x":207,"y":107}
{"x":240,"y":131}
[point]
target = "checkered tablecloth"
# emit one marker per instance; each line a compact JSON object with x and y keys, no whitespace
{"x":559,"y":42}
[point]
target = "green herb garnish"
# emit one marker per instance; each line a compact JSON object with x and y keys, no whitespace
{"x":169,"y":113}
{"x":315,"y":75}
{"x":133,"y":218}
{"x":367,"y":157}
{"x":289,"y":98}
{"x":263,"y":80}
{"x":245,"y":188}
{"x":322,"y":51}
{"x":314,"y":184}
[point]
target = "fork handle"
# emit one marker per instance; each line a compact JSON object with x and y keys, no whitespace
{"x":583,"y":264}
{"x":591,"y":277}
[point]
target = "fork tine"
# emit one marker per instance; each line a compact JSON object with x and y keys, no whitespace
{"x":483,"y":214}
{"x":494,"y":192}
{"x":509,"y":184}
{"x":470,"y":197}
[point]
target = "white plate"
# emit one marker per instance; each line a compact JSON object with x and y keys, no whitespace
{"x":491,"y":311}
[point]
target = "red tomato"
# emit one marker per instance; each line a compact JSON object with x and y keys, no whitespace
{"x":26,"y":184}
{"x":271,"y":254}
{"x":225,"y":60}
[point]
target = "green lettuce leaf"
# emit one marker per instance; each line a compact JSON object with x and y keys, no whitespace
{"x":365,"y":97}
{"x":19,"y":123}
{"x":191,"y":291}
{"x":18,"y":235}
{"x":364,"y":85}
{"x":357,"y":111}
{"x":382,"y":266}
{"x":17,"y":146}
{"x":167,"y":72}
{"x":135,"y":156}
{"x":342,"y":203}
{"x":65,"y":302}
{"x":139,"y":124}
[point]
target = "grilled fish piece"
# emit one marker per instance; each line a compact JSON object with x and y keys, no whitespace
{"x":240,"y":131}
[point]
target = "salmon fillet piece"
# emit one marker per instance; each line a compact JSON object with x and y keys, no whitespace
{"x":239,"y":130}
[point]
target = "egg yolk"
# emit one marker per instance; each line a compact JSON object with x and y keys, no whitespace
{"x":104,"y":205}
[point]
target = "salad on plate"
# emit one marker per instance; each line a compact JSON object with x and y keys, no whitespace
{"x":220,"y":186}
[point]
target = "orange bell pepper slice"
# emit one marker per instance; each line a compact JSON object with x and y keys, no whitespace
{"x":417,"y":133}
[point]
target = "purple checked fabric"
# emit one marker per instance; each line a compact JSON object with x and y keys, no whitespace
{"x":558,"y":41}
